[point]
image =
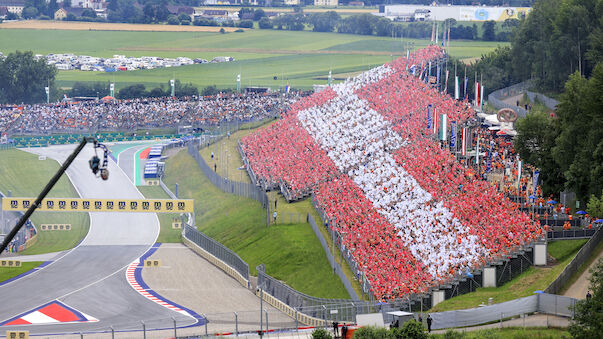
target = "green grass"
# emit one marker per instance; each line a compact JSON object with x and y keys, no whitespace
{"x":533,"y":279}
{"x":13,"y":164}
{"x":7,"y":273}
{"x":166,"y":233}
{"x":294,"y":57}
{"x":226,"y":151}
{"x":582,"y":268}
{"x":509,"y":333}
{"x":564,"y":249}
{"x":291,"y":252}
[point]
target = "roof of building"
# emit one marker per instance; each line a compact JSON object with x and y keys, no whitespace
{"x":180,"y":9}
{"x":215,"y":12}
{"x":6,"y":3}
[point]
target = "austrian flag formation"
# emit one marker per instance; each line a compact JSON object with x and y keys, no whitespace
{"x":410,"y":215}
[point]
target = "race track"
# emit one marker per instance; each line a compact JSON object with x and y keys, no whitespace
{"x":91,"y":278}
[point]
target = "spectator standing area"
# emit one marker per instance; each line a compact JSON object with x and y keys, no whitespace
{"x":369,"y":149}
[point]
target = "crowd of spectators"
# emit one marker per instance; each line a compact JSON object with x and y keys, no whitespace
{"x":410,"y":214}
{"x":142,"y":113}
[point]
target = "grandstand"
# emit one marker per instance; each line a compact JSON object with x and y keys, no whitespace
{"x":410,"y":214}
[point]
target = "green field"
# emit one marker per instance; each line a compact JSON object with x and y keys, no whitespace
{"x":533,"y":279}
{"x":13,"y":164}
{"x":299,"y":58}
{"x":7,"y":273}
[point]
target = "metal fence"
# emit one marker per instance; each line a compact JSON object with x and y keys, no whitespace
{"x":548,"y":102}
{"x":495,"y":98}
{"x":330,"y":256}
{"x":225,"y":184}
{"x":581,"y":257}
{"x":217,"y":250}
{"x":543,"y":303}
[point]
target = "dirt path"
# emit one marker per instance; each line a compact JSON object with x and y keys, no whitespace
{"x":580,"y":287}
{"x":101,"y":26}
{"x":514,"y":99}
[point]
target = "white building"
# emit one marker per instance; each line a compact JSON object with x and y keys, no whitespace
{"x":327,"y":3}
{"x":459,"y":13}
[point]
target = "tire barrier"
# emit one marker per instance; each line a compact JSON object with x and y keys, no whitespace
{"x":152,"y":263}
{"x":17,"y":334}
{"x":101,"y":205}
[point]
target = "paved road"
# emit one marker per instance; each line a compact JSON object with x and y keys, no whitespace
{"x":193,"y":282}
{"x":91,"y":277}
{"x":581,"y":286}
{"x":127,"y":161}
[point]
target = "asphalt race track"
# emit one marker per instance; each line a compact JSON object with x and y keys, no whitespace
{"x":91,"y":278}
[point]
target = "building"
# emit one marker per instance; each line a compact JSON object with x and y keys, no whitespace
{"x":13,"y":6}
{"x":62,"y":13}
{"x":291,"y":2}
{"x":459,"y":13}
{"x":328,"y":3}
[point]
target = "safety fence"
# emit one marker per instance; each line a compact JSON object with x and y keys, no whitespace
{"x":225,"y":184}
{"x":218,"y":251}
{"x":496,"y":98}
{"x":585,"y":252}
{"x":550,"y":103}
{"x":543,"y":303}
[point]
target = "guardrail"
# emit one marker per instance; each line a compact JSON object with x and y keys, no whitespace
{"x":582,"y":255}
{"x":218,"y":254}
{"x":495,"y":98}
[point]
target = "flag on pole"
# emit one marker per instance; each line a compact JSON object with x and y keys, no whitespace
{"x":444,"y":35}
{"x":436,"y":34}
{"x":407,"y":55}
{"x":238,"y":82}
{"x":464,"y":142}
{"x":456,"y":87}
{"x":519,"y":169}
{"x":432,"y":31}
{"x":477,"y":151}
{"x":446,"y":82}
{"x":330,"y":78}
{"x":481,"y":99}
{"x":453,"y":135}
{"x":448,"y":42}
{"x":112,"y":89}
{"x":429,"y":116}
{"x":443,"y":127}
{"x":435,"y":121}
{"x":476,"y":94}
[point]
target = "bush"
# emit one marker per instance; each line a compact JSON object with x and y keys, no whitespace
{"x":173,"y":20}
{"x":42,"y":17}
{"x":321,"y":333}
{"x":205,"y":22}
{"x":451,"y":334}
{"x":239,"y":30}
{"x":594,"y":207}
{"x":373,"y":333}
{"x":265,"y":23}
{"x":185,"y":22}
{"x":246,"y":24}
{"x":228,"y":23}
{"x":222,"y":30}
{"x":209,"y":91}
{"x":412,"y":330}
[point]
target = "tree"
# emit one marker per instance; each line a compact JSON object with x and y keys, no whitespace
{"x":66,"y":3}
{"x":52,"y":8}
{"x":246,"y":24}
{"x":536,"y":135}
{"x":258,"y":14}
{"x":321,"y":333}
{"x":84,"y":89}
{"x":132,"y":91}
{"x":29,"y":12}
{"x":173,"y":20}
{"x":244,"y":11}
{"x":489,"y":33}
{"x":265,"y":23}
{"x":588,"y":317}
{"x":12,"y":16}
{"x":324,"y":22}
{"x":209,"y":91}
{"x":594,"y":207}
{"x":89,"y":13}
{"x":411,"y":329}
{"x":579,"y":147}
{"x":23,"y":78}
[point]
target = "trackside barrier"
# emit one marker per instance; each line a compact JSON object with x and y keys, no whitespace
{"x":26,"y":235}
{"x":288,"y":310}
{"x":217,"y":254}
{"x":582,"y":255}
{"x":544,"y":303}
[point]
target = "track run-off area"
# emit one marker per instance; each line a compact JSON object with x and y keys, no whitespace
{"x":99,"y":285}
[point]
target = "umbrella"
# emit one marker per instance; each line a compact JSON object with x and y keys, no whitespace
{"x":580,"y":212}
{"x":599,"y":221}
{"x":552,"y":202}
{"x":539,"y":292}
{"x":501,"y":133}
{"x":108,"y":98}
{"x":533,"y":197}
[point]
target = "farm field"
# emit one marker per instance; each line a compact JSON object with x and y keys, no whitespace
{"x":298,"y":58}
